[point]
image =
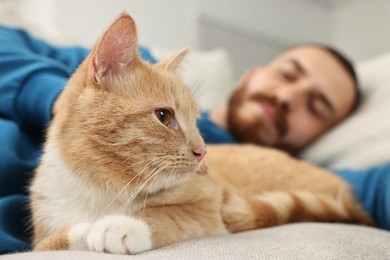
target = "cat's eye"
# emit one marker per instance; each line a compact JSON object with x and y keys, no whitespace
{"x":165,"y":116}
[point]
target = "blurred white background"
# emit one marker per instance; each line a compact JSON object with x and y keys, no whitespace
{"x":360,"y":28}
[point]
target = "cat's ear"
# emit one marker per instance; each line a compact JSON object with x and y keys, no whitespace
{"x":116,"y":50}
{"x":173,"y":63}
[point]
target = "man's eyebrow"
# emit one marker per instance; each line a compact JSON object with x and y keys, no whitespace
{"x":298,"y":65}
{"x":321,"y":96}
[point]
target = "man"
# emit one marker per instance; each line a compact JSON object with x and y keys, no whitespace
{"x":32,"y":74}
{"x":290,"y":102}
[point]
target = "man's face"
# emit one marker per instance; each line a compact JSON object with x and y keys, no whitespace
{"x":291,"y":101}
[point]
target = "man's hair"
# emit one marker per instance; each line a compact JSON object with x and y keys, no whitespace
{"x":346,"y":63}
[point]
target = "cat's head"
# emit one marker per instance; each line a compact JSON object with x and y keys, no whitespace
{"x":127,"y":122}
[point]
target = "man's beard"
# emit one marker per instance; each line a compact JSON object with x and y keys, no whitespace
{"x":246,"y":132}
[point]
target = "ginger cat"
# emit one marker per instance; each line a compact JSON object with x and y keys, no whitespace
{"x":123,"y":169}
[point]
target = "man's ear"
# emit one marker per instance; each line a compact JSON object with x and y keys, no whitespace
{"x":173,"y":62}
{"x":116,"y":50}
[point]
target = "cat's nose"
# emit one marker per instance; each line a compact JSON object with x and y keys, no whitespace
{"x":199,"y":153}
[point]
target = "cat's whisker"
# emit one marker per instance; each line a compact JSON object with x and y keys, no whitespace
{"x":139,"y":161}
{"x":142,"y":185}
{"x":147,"y":166}
{"x":166,"y":188}
{"x":205,"y":101}
{"x":135,"y":194}
{"x":128,"y":183}
{"x":165,"y":193}
{"x":147,"y":193}
{"x":142,"y":159}
{"x":157,"y":171}
{"x":198,"y":93}
{"x":196,"y":89}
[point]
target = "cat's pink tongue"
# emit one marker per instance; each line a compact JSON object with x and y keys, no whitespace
{"x":203,"y":169}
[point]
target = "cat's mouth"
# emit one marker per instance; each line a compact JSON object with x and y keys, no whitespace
{"x":199,"y":168}
{"x":203,"y":169}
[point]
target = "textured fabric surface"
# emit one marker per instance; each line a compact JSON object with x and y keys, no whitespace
{"x":293,"y":241}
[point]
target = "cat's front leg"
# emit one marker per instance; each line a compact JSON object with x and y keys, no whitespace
{"x":115,"y":234}
{"x":111,"y":234}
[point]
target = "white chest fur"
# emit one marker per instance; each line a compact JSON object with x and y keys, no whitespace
{"x":63,"y":199}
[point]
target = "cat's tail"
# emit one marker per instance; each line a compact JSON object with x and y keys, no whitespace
{"x":280,"y":207}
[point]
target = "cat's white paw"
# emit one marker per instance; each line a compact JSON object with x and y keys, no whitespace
{"x":77,"y":236}
{"x":119,"y":235}
{"x":115,"y":234}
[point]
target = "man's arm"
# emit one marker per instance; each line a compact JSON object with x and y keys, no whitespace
{"x":372,"y":188}
{"x":32,"y":74}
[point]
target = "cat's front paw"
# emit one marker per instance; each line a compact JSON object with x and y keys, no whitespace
{"x":119,"y":235}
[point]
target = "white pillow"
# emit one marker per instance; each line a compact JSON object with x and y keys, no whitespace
{"x":209,"y":74}
{"x":364,"y":138}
